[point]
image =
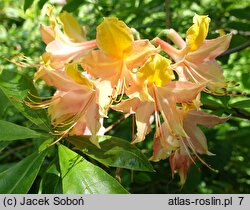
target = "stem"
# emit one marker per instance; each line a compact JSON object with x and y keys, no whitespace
{"x":236,"y":49}
{"x":167,"y":7}
{"x":116,"y":123}
{"x":169,"y":49}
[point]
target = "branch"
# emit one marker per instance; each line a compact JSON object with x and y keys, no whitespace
{"x":236,"y":112}
{"x":236,"y":49}
{"x":167,"y":7}
{"x":116,"y":123}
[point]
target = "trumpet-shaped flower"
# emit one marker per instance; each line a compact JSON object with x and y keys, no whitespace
{"x":163,"y":96}
{"x":115,"y":62}
{"x":73,"y":108}
{"x":66,"y":46}
{"x":195,"y":60}
{"x":180,"y":162}
{"x":195,"y":142}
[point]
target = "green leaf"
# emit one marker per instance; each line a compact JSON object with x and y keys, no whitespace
{"x":41,"y":3}
{"x":242,"y":13}
{"x":11,"y":131}
{"x":4,"y":102}
{"x":237,"y":25}
{"x":19,"y":178}
{"x":80,"y":176}
{"x":16,"y":87}
{"x":241,"y":104}
{"x":3,"y":145}
{"x":27,"y":4}
{"x":210,"y":102}
{"x":73,"y":5}
{"x":114,"y":152}
{"x":51,"y":182}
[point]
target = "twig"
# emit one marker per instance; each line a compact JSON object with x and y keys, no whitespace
{"x":236,"y":112}
{"x":167,"y":7}
{"x":116,"y":123}
{"x":236,"y":49}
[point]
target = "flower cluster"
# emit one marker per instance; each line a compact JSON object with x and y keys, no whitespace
{"x":116,"y":71}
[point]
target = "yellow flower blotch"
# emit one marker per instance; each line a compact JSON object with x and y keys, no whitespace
{"x":197,"y":33}
{"x":71,"y":27}
{"x":114,"y":37}
{"x":156,"y":71}
{"x":73,"y":72}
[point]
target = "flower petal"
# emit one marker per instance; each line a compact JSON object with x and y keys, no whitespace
{"x":68,"y":104}
{"x":197,"y":33}
{"x":114,"y":37}
{"x":210,"y":72}
{"x":182,"y":91}
{"x":47,"y":34}
{"x":140,"y":52}
{"x":62,"y":51}
{"x":58,"y":79}
{"x":100,"y":65}
{"x":143,"y":112}
{"x":72,"y":71}
{"x":156,"y":71}
{"x":71,"y":27}
{"x":210,"y":49}
{"x":205,"y":119}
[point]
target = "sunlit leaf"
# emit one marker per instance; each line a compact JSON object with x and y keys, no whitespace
{"x":3,"y":145}
{"x":27,"y":4}
{"x":4,"y":102}
{"x":41,"y":3}
{"x":16,"y":87}
{"x":242,"y":13}
{"x":241,"y":104}
{"x":20,"y":177}
{"x":114,"y":152}
{"x":80,"y":176}
{"x":11,"y":131}
{"x":73,"y":5}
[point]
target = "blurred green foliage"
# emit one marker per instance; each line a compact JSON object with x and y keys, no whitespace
{"x":19,"y":33}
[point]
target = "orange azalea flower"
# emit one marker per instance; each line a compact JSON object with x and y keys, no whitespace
{"x":177,"y":135}
{"x":161,"y":96}
{"x":71,"y":44}
{"x":181,"y":160}
{"x":73,"y":108}
{"x":115,"y":62}
{"x":195,"y":60}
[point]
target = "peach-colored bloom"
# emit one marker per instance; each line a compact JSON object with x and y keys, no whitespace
{"x":161,"y":96}
{"x":195,"y":60}
{"x":66,"y":46}
{"x":116,"y":60}
{"x":73,"y":108}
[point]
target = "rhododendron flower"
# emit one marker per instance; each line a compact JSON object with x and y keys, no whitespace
{"x":73,"y":108}
{"x":71,"y":44}
{"x":181,"y":159}
{"x":195,"y":60}
{"x":164,"y":95}
{"x":116,"y":60}
{"x":180,"y":162}
{"x":123,"y":67}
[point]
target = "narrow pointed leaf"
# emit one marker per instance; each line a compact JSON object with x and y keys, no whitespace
{"x":80,"y":176}
{"x":114,"y":152}
{"x":11,"y":131}
{"x":241,"y":104}
{"x":51,"y":182}
{"x":19,"y":178}
{"x":16,"y":87}
{"x":3,"y":145}
{"x":27,"y":4}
